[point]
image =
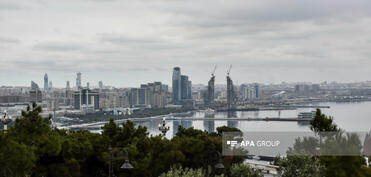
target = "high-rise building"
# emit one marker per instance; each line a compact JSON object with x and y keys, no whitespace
{"x":86,"y":98}
{"x":143,"y":96}
{"x":315,"y":88}
{"x":210,"y":93}
{"x":176,"y":86}
{"x":133,"y":98}
{"x":34,"y":86}
{"x":100,"y":84}
{"x":189,"y":90}
{"x":46,"y":86}
{"x":12,"y":99}
{"x":78,"y":80}
{"x":231,"y":95}
{"x":68,"y":85}
{"x":159,"y":95}
{"x":159,"y":100}
{"x":139,"y":96}
{"x":257,"y":91}
{"x":249,"y":92}
{"x":87,"y":85}
{"x":303,"y":89}
{"x":50,"y":85}
{"x":243,"y":91}
{"x":35,"y":93}
{"x":68,"y":95}
{"x":151,"y":94}
{"x":35,"y":96}
{"x":184,"y":86}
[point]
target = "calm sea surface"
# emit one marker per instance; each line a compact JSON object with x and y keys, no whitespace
{"x":348,"y":116}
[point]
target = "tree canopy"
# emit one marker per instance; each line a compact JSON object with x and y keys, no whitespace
{"x":335,"y":165}
{"x":32,"y":148}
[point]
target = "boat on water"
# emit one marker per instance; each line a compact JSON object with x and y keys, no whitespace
{"x":209,"y":112}
{"x":307,"y":115}
{"x":183,"y":114}
{"x":170,"y":118}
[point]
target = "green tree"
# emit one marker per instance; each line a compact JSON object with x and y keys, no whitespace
{"x":331,"y":165}
{"x":299,"y":166}
{"x":338,"y":165}
{"x":16,"y":159}
{"x":34,"y":131}
{"x":222,"y":129}
{"x":183,"y":172}
{"x":45,"y":143}
{"x":323,"y":123}
{"x":242,"y":170}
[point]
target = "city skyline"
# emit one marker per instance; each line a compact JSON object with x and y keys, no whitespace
{"x":177,"y":88}
{"x":84,"y":83}
{"x":135,"y":42}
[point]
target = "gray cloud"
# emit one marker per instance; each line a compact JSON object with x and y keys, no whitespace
{"x":126,"y":43}
{"x":240,"y":12}
{"x":138,"y":69}
{"x":9,"y":6}
{"x":45,"y":65}
{"x":141,"y":42}
{"x":124,"y":40}
{"x":102,"y":0}
{"x":58,"y":46}
{"x":9,"y":40}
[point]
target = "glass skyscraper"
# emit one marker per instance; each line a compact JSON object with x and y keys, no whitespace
{"x":177,"y":94}
{"x":46,"y":82}
{"x":78,"y":80}
{"x":184,"y":86}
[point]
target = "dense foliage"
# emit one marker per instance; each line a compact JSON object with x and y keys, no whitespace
{"x":322,"y":164}
{"x":186,"y":172}
{"x":241,"y":170}
{"x":32,"y":148}
{"x":237,"y":170}
{"x":323,"y":123}
{"x":300,"y":166}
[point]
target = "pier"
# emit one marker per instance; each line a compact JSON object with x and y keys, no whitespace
{"x":293,"y":119}
{"x":272,"y":108}
{"x":300,"y":106}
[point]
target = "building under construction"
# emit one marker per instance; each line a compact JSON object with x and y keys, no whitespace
{"x":210,"y":93}
{"x":231,"y":95}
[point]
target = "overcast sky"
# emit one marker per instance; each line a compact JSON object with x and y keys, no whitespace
{"x":129,"y":42}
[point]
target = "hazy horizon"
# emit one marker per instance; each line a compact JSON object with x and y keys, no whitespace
{"x":40,"y":83}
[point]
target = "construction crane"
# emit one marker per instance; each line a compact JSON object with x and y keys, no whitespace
{"x":229,"y":70}
{"x":213,"y":73}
